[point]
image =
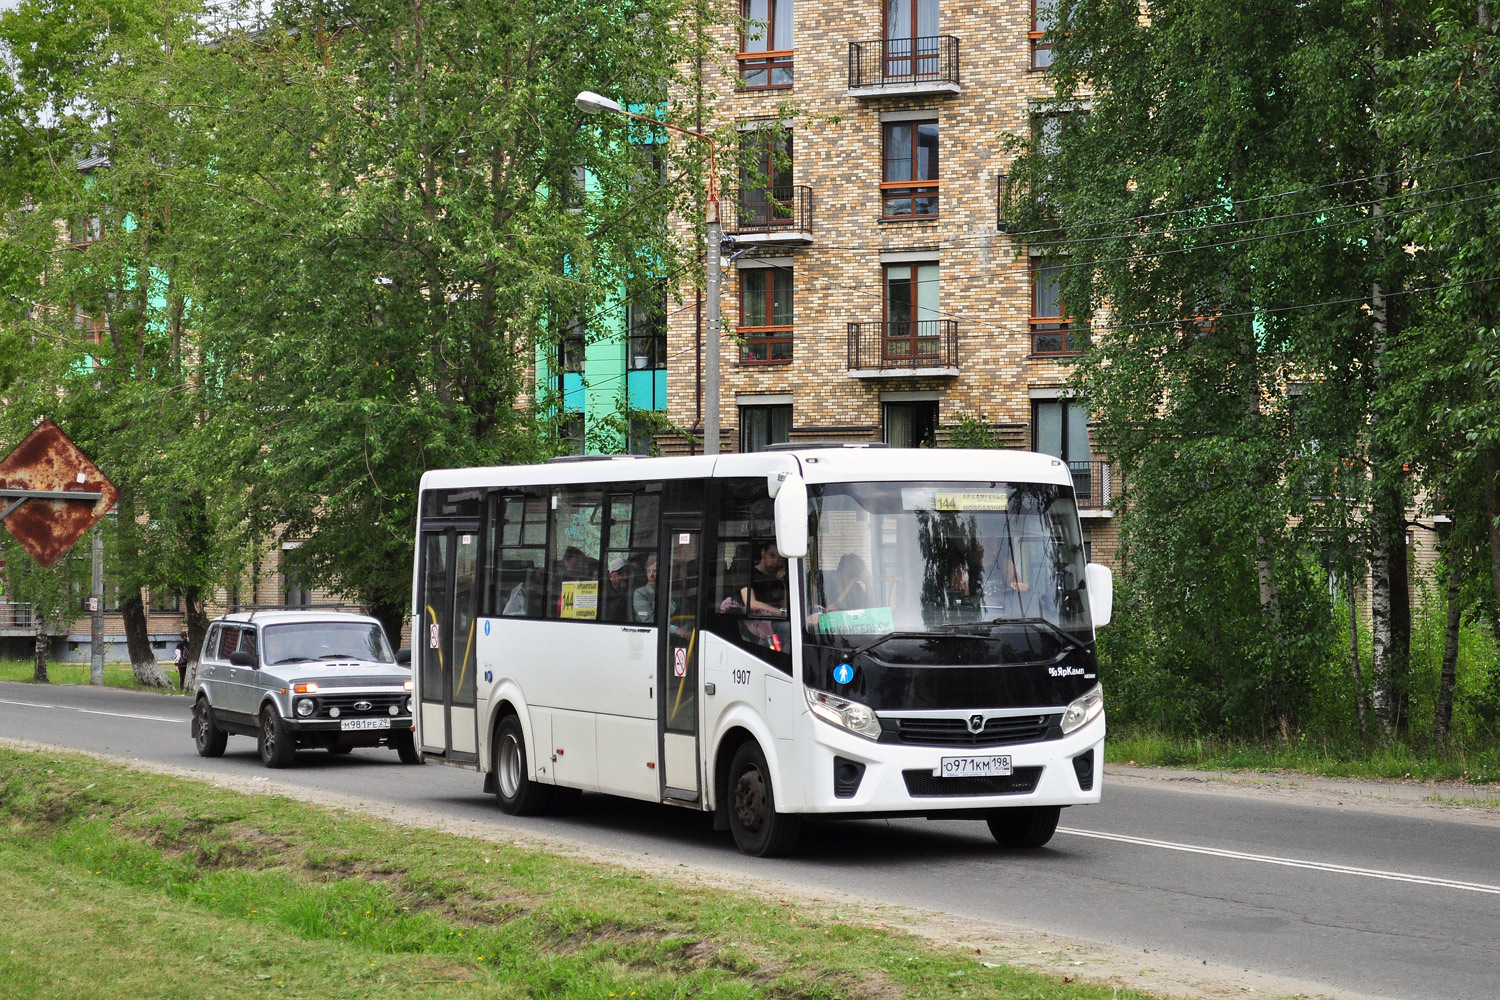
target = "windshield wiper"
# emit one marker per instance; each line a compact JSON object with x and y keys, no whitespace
{"x":294,"y":659}
{"x":1044,"y":623}
{"x":340,"y":656}
{"x":889,"y":635}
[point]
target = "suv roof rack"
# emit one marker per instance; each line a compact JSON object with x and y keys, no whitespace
{"x":358,"y":609}
{"x":810,"y":445}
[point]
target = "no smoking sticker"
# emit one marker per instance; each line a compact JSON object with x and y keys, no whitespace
{"x":679,"y":662}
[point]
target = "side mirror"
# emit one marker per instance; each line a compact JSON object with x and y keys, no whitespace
{"x":791,"y":518}
{"x":403,"y":656}
{"x":1101,"y":586}
{"x":240,"y":658}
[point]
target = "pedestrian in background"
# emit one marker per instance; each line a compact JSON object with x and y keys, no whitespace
{"x":180,"y":657}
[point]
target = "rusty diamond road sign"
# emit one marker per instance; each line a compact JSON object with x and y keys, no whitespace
{"x":50,"y":493}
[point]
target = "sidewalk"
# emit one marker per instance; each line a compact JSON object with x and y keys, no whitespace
{"x":1454,"y":800}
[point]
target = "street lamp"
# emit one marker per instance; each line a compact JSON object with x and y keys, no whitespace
{"x":592,"y":103}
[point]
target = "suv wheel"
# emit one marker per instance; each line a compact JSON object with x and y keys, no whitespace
{"x":406,"y":748}
{"x":209,"y":738}
{"x":277,"y":747}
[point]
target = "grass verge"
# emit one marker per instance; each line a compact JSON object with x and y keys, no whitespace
{"x":117,"y":675}
{"x":1476,"y":765}
{"x":123,"y":883}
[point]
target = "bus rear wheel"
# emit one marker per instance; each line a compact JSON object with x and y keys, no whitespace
{"x":517,"y":794}
{"x":759,"y":830}
{"x":1024,"y":826}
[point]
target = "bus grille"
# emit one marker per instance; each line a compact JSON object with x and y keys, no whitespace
{"x":955,"y":732}
{"x":922,"y":783}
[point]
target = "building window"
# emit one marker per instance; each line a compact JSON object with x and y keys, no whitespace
{"x":763,"y":426}
{"x":909,"y":188}
{"x":766,"y":195}
{"x":570,"y":348}
{"x":295,"y":594}
{"x":911,"y":28}
{"x":1052,"y":329}
{"x":766,"y":44}
{"x":911,"y":424}
{"x":1043,"y":20}
{"x":912,"y":328}
{"x":570,"y":433}
{"x":1060,"y":428}
{"x":646,"y":318}
{"x":640,"y":435}
{"x":766,"y":314}
{"x":164,"y":600}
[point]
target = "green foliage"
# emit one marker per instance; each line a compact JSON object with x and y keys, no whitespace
{"x":972,"y":431}
{"x":1225,"y":192}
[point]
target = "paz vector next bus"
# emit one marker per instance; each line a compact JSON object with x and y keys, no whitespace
{"x":816,"y":631}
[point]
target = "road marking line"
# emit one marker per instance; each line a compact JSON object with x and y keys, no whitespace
{"x":1320,"y":866}
{"x":91,"y":711}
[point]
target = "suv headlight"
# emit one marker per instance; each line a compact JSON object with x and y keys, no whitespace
{"x":845,"y":714}
{"x":304,"y":707}
{"x":1084,"y":709}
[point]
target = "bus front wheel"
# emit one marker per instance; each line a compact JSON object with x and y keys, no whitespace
{"x":516,"y":793}
{"x":1024,"y":826}
{"x":759,"y":830}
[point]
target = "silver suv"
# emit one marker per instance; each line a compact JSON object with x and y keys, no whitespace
{"x":299,"y":680}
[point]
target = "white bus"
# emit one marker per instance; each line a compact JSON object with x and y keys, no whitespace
{"x":820,"y":631}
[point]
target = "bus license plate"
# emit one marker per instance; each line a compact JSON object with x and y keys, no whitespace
{"x":973,"y":767}
{"x":348,"y":724}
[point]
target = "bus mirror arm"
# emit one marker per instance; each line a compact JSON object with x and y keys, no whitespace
{"x":791,"y":517}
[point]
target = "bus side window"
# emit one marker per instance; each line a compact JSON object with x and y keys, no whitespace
{"x":518,"y":530}
{"x":575,"y":590}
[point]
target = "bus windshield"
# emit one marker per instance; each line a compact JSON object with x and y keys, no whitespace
{"x":918,"y":558}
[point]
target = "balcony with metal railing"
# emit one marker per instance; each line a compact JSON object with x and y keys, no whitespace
{"x":16,"y":619}
{"x":776,"y":215}
{"x":1094,"y":487}
{"x":926,"y":347}
{"x":901,"y":67}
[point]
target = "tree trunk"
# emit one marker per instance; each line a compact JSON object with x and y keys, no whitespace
{"x":1359,"y":681}
{"x":1492,"y":522}
{"x":1390,"y":612}
{"x":197,"y":628}
{"x":1443,"y":716}
{"x":138,"y":641}
{"x":391,"y":617}
{"x":39,"y":663}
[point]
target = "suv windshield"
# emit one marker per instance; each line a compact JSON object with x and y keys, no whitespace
{"x":301,"y":641}
{"x":925,"y":558}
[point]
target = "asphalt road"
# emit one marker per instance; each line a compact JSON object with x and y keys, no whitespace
{"x":1354,"y":890}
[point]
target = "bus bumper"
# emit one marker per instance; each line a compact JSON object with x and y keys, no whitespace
{"x":847,"y":774}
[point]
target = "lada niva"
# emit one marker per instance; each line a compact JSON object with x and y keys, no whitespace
{"x":299,"y":680}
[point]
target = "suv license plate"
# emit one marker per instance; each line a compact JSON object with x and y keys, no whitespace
{"x":347,"y":724}
{"x":973,"y":767}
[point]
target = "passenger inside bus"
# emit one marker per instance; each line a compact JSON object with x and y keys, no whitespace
{"x":617,"y":592}
{"x":643,"y":601}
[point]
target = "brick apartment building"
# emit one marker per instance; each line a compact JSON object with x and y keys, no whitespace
{"x":873,"y":294}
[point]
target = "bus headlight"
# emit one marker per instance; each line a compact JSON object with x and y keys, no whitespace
{"x":1084,"y":709}
{"x":845,"y":714}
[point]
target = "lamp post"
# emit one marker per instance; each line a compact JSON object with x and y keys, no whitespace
{"x":593,"y":103}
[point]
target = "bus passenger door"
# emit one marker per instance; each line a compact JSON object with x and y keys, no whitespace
{"x":445,"y":643}
{"x":678,"y":673}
